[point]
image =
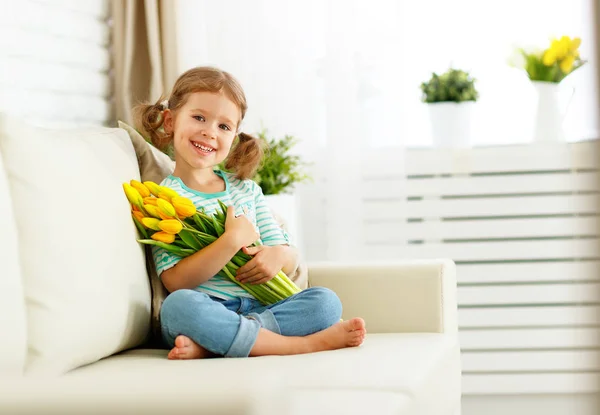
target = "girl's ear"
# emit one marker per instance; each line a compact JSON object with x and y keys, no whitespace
{"x":168,"y":121}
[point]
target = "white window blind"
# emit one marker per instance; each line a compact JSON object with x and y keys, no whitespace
{"x":55,"y":61}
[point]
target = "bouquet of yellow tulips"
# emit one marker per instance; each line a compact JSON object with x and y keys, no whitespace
{"x":173,"y":223}
{"x":552,"y":64}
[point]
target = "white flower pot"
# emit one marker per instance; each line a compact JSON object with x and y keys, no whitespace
{"x":286,"y":207}
{"x":451,"y":123}
{"x":549,"y":114}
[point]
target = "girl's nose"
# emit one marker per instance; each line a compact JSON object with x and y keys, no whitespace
{"x":209,"y":132}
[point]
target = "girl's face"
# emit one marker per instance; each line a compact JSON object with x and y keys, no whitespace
{"x":203,"y":129}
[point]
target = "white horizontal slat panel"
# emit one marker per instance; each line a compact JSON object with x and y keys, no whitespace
{"x":38,"y":47}
{"x":491,"y":295}
{"x":490,"y":251}
{"x":538,"y":360}
{"x":25,"y":75}
{"x":62,"y":19}
{"x":400,"y":231}
{"x":391,"y":186}
{"x":473,"y":207}
{"x":529,"y":338}
{"x":539,"y":383}
{"x":528,"y":272}
{"x":529,"y":157}
{"x":528,"y":316}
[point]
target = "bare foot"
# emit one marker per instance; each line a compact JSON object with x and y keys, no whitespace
{"x":350,"y":333}
{"x":185,"y":348}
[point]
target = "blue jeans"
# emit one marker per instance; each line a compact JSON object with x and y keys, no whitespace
{"x":230,"y":327}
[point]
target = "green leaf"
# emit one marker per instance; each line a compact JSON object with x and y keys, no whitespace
{"x":140,"y":227}
{"x":190,"y":240}
{"x":182,"y":252}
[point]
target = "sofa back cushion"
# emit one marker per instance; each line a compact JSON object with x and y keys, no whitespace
{"x":12,"y":303}
{"x":86,"y":290}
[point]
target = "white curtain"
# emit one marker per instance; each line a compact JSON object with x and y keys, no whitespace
{"x":319,"y":70}
{"x":344,"y":76}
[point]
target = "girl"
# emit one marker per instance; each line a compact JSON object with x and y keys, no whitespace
{"x":205,"y":314}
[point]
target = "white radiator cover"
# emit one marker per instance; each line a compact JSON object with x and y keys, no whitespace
{"x":55,"y":61}
{"x":522,"y":224}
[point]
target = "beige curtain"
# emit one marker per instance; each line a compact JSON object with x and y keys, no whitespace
{"x":143,"y":52}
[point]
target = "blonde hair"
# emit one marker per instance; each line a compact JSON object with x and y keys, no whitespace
{"x":244,"y":158}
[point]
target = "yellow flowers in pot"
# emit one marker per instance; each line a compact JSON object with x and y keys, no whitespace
{"x":172,"y":222}
{"x":552,"y":64}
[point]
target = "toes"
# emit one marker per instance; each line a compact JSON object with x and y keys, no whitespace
{"x":356,"y":324}
{"x":181,"y":341}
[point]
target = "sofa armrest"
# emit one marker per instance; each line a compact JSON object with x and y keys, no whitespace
{"x":394,"y":297}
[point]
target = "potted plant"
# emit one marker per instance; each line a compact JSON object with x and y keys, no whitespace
{"x":450,"y":98}
{"x":277,"y":176}
{"x":546,"y":68}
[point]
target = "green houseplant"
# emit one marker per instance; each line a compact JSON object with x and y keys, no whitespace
{"x":279,"y":171}
{"x":450,"y":98}
{"x":454,"y":85}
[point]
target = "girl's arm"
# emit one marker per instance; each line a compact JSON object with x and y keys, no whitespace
{"x":206,"y":263}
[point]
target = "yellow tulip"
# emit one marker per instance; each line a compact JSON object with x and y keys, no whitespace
{"x":153,"y":188}
{"x":133,"y":196}
{"x":138,"y":215}
{"x":183,"y":206}
{"x":575,"y":43}
{"x":167,"y":193}
{"x":151,"y":223}
{"x":150,"y":201}
{"x":140,"y":188}
{"x":166,"y":208}
{"x":549,"y":57}
{"x":562,"y":47}
{"x":164,"y":217}
{"x":170,"y":226}
{"x":152,"y":210}
{"x":567,"y":64}
{"x":163,"y":237}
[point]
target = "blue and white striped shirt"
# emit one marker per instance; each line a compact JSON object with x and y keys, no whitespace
{"x":247,"y":198}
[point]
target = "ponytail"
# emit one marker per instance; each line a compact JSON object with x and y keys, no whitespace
{"x":245,"y":157}
{"x":148,"y":118}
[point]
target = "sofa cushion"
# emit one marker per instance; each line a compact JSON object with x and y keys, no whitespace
{"x":86,"y":289}
{"x":12,"y":303}
{"x":396,"y":373}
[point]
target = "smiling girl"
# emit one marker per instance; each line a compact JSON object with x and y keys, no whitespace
{"x":205,"y":314}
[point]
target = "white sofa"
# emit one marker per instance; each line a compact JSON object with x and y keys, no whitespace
{"x":75,"y":305}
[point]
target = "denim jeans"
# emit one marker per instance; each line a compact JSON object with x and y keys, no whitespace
{"x":230,"y":327}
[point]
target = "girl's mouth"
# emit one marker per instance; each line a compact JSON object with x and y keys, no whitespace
{"x":202,"y":149}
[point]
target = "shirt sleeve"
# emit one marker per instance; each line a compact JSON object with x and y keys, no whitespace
{"x":163,"y":259}
{"x":270,"y":232}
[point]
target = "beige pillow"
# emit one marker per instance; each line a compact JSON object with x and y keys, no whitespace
{"x":84,"y":277}
{"x":155,"y":166}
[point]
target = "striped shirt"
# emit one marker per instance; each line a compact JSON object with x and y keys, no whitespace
{"x":247,"y":198}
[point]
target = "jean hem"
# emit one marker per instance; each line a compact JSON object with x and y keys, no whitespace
{"x":245,"y":338}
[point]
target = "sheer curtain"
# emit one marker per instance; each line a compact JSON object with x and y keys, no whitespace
{"x":344,"y":76}
{"x":318,"y":70}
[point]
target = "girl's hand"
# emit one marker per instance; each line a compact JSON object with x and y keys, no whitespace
{"x":241,"y":229}
{"x":266,"y":264}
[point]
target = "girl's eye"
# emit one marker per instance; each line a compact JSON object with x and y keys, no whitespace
{"x":225,"y":127}
{"x":198,"y":117}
